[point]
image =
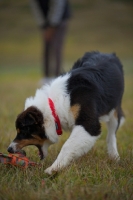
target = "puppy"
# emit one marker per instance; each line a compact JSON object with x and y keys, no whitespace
{"x":89,"y":93}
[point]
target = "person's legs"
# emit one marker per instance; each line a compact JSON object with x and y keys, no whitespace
{"x":47,"y":62}
{"x":58,"y":43}
{"x":46,"y":59}
{"x":52,"y":53}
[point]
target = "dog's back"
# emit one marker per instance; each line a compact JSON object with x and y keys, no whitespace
{"x":94,"y":59}
{"x":102,"y":75}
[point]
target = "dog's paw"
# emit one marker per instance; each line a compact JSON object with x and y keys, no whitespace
{"x":50,"y":171}
{"x":114,"y":157}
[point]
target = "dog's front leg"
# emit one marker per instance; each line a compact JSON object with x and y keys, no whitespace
{"x":78,"y":144}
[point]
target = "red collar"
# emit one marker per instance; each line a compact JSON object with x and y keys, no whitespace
{"x":56,"y":118}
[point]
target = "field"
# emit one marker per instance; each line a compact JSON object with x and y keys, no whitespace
{"x":93,"y":176}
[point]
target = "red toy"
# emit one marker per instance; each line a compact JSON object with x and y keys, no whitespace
{"x":17,"y":159}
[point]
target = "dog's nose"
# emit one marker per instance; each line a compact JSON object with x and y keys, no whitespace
{"x":10,"y":150}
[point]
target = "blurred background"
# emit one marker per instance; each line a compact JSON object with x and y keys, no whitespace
{"x":104,"y":25}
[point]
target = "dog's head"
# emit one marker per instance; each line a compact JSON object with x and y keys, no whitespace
{"x":30,"y":131}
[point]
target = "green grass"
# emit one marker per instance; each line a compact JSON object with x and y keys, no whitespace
{"x":106,"y":26}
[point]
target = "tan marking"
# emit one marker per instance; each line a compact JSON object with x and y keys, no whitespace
{"x":36,"y":137}
{"x":26,"y":142}
{"x":115,"y":114}
{"x":75,"y":110}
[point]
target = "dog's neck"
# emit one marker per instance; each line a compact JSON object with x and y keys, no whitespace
{"x":56,"y":118}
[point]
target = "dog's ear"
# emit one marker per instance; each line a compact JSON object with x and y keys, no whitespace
{"x":28,"y":120}
{"x":29,"y":117}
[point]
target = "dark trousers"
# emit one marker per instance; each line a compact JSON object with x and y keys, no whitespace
{"x":52,"y":54}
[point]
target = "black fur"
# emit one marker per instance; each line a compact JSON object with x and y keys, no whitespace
{"x":29,"y":123}
{"x":97,"y":85}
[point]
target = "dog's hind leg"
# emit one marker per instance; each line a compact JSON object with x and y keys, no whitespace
{"x":115,"y":121}
{"x":78,"y":144}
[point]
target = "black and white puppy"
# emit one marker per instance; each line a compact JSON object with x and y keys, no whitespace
{"x":79,"y":100}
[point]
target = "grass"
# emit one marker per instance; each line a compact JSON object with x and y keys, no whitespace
{"x":108,"y":27}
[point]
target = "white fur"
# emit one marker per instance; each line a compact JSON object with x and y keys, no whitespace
{"x":78,"y":144}
{"x":112,"y":125}
{"x":13,"y":145}
{"x":106,"y":118}
{"x":122,"y":120}
{"x":45,"y":147}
